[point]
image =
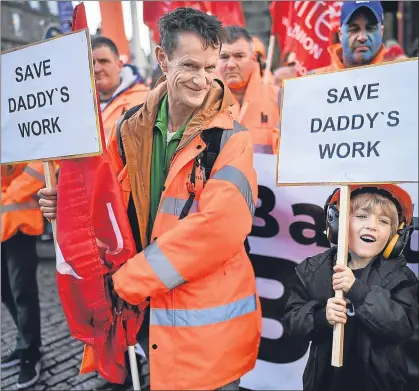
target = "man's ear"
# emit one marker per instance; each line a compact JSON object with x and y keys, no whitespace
{"x":120,"y":64}
{"x":161,"y":57}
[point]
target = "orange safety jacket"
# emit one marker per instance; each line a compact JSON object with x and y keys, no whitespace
{"x":134,"y":94}
{"x":259,"y":112}
{"x":336,"y":63}
{"x":205,"y":316}
{"x":19,"y":202}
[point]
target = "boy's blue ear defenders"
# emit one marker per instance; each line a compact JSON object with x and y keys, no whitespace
{"x":396,"y":244}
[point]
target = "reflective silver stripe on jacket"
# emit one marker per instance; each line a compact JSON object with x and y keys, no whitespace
{"x":202,"y":317}
{"x":174,"y":206}
{"x":237,"y":178}
{"x":33,"y":173}
{"x":261,"y":148}
{"x":231,"y":132}
{"x":22,"y":206}
{"x":162,"y":266}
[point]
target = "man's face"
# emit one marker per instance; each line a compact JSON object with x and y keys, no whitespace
{"x":361,"y":38}
{"x":107,"y":67}
{"x":369,"y":232}
{"x":237,"y":63}
{"x":190,"y":70}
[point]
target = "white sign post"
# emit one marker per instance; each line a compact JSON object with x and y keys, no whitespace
{"x":351,"y":127}
{"x":48,"y":101}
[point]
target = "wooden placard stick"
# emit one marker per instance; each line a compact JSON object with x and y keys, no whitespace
{"x":269,"y":58}
{"x":51,"y":182}
{"x":342,"y":259}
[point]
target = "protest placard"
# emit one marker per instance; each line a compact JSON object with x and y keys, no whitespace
{"x":48,"y":101}
{"x":356,"y":126}
{"x":353,"y":126}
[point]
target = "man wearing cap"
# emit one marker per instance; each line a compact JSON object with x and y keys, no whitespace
{"x":361,"y":36}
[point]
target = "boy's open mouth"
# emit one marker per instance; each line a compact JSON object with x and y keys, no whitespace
{"x":368,"y":238}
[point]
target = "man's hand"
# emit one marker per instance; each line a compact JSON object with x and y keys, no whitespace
{"x":343,"y":279}
{"x":336,"y":311}
{"x":48,"y":202}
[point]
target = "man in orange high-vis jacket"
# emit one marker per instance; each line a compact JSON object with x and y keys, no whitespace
{"x":205,"y":316}
{"x":120,"y":86}
{"x":21,"y":223}
{"x":256,"y":103}
{"x":361,"y":34}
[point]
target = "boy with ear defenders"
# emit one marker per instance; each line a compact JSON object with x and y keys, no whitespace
{"x":380,"y":312}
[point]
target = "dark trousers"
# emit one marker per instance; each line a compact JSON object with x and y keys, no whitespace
{"x":19,"y":288}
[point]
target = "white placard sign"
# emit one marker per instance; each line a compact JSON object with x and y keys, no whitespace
{"x":353,"y":126}
{"x":48,"y":101}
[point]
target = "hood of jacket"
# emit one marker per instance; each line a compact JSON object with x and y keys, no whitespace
{"x":129,"y":77}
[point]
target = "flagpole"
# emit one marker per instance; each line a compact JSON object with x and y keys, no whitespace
{"x":269,"y":59}
{"x":134,"y":368}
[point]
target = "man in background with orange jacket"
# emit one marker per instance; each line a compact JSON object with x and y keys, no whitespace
{"x":361,"y":36}
{"x":120,"y":86}
{"x":21,"y":223}
{"x":256,"y":103}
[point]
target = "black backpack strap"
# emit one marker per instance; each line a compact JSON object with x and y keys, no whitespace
{"x":213,"y":139}
{"x":126,"y":116}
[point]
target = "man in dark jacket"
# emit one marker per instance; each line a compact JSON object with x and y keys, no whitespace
{"x":380,"y":312}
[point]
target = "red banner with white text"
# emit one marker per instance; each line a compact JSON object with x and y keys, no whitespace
{"x":305,"y":28}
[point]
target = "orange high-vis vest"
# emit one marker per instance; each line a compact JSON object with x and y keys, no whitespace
{"x":259,"y":112}
{"x":205,"y":316}
{"x":19,"y":202}
{"x":336,"y":63}
{"x":133,"y":96}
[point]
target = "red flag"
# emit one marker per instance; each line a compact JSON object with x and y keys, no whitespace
{"x":230,"y":13}
{"x":280,"y":12}
{"x":152,"y":12}
{"x":93,"y":239}
{"x":305,"y":31}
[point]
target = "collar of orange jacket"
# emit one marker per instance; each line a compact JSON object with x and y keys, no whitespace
{"x":212,"y":113}
{"x":336,"y":50}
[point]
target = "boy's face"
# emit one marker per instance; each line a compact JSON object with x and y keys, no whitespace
{"x":369,"y":232}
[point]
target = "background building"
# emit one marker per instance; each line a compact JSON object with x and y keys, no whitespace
{"x":24,"y":22}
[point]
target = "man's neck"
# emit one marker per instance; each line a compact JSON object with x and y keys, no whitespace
{"x":239,"y":94}
{"x":357,"y":262}
{"x":179,"y":114}
{"x":104,"y":96}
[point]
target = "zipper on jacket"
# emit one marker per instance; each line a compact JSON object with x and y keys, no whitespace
{"x":180,"y":149}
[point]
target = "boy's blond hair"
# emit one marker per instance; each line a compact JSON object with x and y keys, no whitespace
{"x":370,"y":201}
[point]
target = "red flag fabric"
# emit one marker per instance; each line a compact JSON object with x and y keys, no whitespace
{"x":93,"y":239}
{"x":305,"y":29}
{"x":228,"y":12}
{"x":280,"y":12}
{"x":152,"y":12}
